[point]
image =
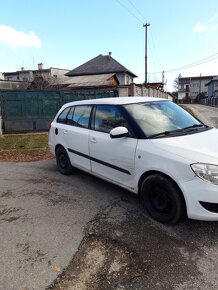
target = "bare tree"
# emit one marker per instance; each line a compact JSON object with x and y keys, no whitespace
{"x":176,"y":83}
{"x":44,"y":83}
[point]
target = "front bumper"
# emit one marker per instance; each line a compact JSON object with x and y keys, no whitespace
{"x":197,"y":193}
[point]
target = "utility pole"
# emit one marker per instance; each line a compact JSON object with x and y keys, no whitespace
{"x":163,"y":80}
{"x":200,"y":85}
{"x":146,"y":56}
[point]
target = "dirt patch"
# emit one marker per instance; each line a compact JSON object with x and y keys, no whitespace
{"x":100,"y":264}
{"x":128,"y":252}
{"x":26,"y":155}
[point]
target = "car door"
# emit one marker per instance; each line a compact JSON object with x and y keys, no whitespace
{"x":77,"y":136}
{"x":113,"y":159}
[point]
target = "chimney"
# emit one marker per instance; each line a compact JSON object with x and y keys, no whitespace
{"x":22,"y":68}
{"x":40,"y":66}
{"x":110,"y":53}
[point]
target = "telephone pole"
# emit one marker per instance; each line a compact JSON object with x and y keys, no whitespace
{"x":163,"y":80}
{"x":146,"y":56}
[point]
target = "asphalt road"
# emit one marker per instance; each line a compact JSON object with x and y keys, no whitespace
{"x":207,"y":114}
{"x":42,"y":219}
{"x":79,"y":232}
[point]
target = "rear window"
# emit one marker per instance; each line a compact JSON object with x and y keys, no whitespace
{"x":63,"y":115}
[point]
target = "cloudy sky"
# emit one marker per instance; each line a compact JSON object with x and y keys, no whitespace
{"x":182,"y":36}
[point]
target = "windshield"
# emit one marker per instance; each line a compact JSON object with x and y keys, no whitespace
{"x":156,"y":118}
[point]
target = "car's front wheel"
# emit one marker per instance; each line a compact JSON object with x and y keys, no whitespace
{"x":63,"y":161}
{"x":162,"y":199}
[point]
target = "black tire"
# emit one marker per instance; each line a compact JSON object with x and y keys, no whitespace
{"x":162,"y":199}
{"x":63,"y":161}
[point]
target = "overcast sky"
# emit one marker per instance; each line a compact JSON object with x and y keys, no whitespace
{"x":68,"y":33}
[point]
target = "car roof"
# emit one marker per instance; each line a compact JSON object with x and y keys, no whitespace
{"x":115,"y":101}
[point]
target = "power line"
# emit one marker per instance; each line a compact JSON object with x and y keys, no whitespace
{"x":139,"y":12}
{"x":130,"y":12}
{"x":152,"y":49}
{"x":196,"y":63}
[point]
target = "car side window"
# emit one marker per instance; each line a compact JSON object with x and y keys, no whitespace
{"x":81,"y":116}
{"x":63,"y":115}
{"x":69,"y":120}
{"x":108,"y":117}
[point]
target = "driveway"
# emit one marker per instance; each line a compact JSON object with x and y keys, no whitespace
{"x":79,"y":232}
{"x":42,"y":219}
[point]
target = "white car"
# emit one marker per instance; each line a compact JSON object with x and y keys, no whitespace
{"x":149,"y":146}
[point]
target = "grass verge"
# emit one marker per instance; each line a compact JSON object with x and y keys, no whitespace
{"x":24,"y":147}
{"x":24,"y":141}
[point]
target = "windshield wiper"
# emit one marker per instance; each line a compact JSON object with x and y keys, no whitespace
{"x":165,"y":133}
{"x":195,"y":126}
{"x":179,"y":131}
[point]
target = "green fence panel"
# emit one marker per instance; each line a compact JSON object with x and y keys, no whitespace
{"x":29,"y":110}
{"x":77,"y":95}
{"x":24,"y":111}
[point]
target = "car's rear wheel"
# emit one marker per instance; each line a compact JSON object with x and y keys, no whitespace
{"x":63,"y":161}
{"x":162,"y":199}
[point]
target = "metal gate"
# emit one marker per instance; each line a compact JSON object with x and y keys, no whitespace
{"x":28,"y":111}
{"x":24,"y":111}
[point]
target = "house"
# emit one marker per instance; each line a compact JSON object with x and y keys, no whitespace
{"x":13,"y":85}
{"x":104,"y":64}
{"x":104,"y":73}
{"x":189,"y":88}
{"x":49,"y":75}
{"x":213,"y":87}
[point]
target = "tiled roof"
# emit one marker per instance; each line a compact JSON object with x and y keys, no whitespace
{"x":101,"y":64}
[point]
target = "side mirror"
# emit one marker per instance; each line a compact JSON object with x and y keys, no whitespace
{"x":118,"y":132}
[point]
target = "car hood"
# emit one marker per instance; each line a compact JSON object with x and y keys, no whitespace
{"x":198,"y":147}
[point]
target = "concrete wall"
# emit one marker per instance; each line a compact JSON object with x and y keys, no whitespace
{"x":121,"y":78}
{"x":123,"y":92}
{"x":60,"y":73}
{"x":140,"y":90}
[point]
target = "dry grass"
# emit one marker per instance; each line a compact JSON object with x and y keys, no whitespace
{"x":24,"y":147}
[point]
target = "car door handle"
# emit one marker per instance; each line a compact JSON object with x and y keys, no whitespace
{"x":93,"y":140}
{"x":65,"y":131}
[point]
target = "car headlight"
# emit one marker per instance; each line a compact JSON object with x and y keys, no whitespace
{"x":206,"y":172}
